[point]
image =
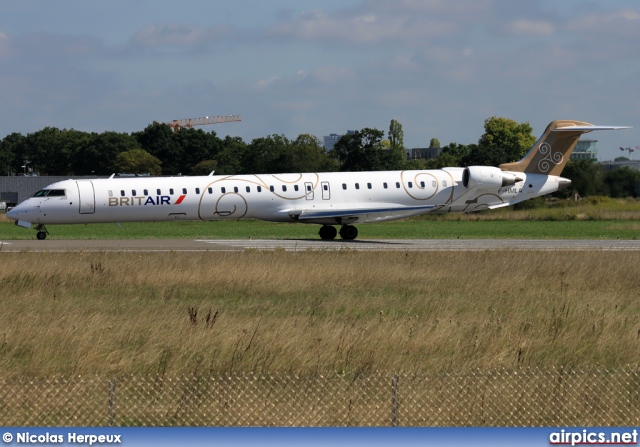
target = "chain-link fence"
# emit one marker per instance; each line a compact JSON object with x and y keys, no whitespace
{"x":522,"y":397}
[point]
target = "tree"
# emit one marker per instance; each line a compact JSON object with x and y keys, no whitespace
{"x":158,"y":140}
{"x":457,"y":153}
{"x":138,"y":161}
{"x":396,"y":157}
{"x":230,"y":156}
{"x":621,"y":182}
{"x":10,"y":147}
{"x":267,"y":155}
{"x":196,"y":146}
{"x":396,"y":135}
{"x":434,"y":143}
{"x":309,"y":155}
{"x":360,"y":151}
{"x":46,"y":152}
{"x":585,"y":176}
{"x":504,"y":141}
{"x":205,"y":167}
{"x":443,"y":160}
{"x":98,"y":155}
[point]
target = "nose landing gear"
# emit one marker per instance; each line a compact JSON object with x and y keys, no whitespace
{"x":42,"y":232}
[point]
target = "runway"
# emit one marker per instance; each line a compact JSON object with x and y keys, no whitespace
{"x":236,"y":245}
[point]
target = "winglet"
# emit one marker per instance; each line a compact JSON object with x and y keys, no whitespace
{"x":552,"y":151}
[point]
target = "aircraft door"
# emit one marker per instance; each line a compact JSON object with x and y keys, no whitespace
{"x":87,"y":196}
{"x":308,"y":190}
{"x":326,"y":190}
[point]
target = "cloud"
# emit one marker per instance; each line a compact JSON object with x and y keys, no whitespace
{"x":410,"y":22}
{"x":5,"y":43}
{"x":531,"y":27}
{"x":623,"y":23}
{"x":177,"y":38}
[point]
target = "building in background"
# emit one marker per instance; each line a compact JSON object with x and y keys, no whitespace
{"x":585,"y":150}
{"x":425,"y":153}
{"x":331,"y":139}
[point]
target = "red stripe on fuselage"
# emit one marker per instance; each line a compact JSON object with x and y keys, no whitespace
{"x":180,"y":199}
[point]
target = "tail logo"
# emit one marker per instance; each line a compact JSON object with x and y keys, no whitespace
{"x":549,"y":157}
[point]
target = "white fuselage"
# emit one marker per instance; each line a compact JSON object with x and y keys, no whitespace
{"x":370,"y":196}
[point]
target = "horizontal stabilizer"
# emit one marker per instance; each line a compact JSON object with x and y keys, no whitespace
{"x":589,"y":128}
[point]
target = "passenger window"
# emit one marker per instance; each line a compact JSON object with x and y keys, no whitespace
{"x":398,"y":185}
{"x":171,"y":191}
{"x":146,"y":192}
{"x":223,"y":189}
{"x":325,"y":187}
{"x":210,"y":190}
{"x":410,"y":185}
{"x":259,"y":188}
{"x":357,"y":185}
{"x":344,"y":186}
{"x":158,"y":192}
{"x":369,"y":185}
{"x":444,"y":183}
{"x":284,"y":188}
{"x":384,"y":185}
{"x":433,"y":183}
{"x":309,"y":188}
{"x":184,"y":190}
{"x":197,"y":190}
{"x":295,"y":187}
{"x":248,"y":189}
{"x":133,"y":192}
{"x":235,"y":189}
{"x":421,"y":184}
{"x":122,"y":193}
{"x":110,"y":193}
{"x":271,"y":188}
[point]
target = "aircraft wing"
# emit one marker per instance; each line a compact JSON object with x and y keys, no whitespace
{"x":345,"y":213}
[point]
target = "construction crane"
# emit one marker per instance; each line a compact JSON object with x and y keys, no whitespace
{"x":630,"y":149}
{"x":176,"y":125}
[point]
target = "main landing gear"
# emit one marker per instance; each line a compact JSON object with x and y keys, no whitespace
{"x":42,"y":232}
{"x":347,"y":232}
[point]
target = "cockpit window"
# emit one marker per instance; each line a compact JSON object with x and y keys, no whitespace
{"x":50,"y":193}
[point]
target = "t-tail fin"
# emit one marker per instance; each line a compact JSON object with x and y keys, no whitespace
{"x":551,"y":152}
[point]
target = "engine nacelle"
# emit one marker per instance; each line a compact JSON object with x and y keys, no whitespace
{"x":487,"y":178}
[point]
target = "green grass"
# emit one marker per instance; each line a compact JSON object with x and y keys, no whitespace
{"x":408,"y":229}
{"x":593,"y":218}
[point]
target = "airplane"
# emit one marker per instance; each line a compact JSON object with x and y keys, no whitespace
{"x":324,"y":198}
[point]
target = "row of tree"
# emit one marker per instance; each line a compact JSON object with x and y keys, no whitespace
{"x":158,"y":150}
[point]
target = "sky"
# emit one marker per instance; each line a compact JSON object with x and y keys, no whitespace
{"x":439,"y":67}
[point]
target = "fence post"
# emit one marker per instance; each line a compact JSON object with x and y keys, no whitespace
{"x":394,"y":401}
{"x":112,"y":402}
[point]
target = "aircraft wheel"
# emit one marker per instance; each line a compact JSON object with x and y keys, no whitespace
{"x":348,"y":232}
{"x":327,"y":232}
{"x":41,"y":235}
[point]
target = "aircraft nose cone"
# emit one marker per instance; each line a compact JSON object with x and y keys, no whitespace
{"x":12,"y":214}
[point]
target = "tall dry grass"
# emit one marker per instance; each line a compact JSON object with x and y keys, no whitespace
{"x":115,"y":313}
{"x":591,"y":208}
